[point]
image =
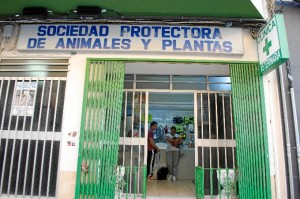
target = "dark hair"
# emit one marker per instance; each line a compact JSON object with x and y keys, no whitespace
{"x":153,"y":123}
{"x":173,"y":127}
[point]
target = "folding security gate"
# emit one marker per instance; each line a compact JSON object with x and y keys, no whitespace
{"x":32,"y":95}
{"x":133,"y":141}
{"x":215,"y":143}
{"x":251,"y":132}
{"x":100,"y":128}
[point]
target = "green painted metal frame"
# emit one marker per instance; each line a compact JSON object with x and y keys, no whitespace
{"x":254,"y":180}
{"x":99,"y":140}
{"x":251,"y":132}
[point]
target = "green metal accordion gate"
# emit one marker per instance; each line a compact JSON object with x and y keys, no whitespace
{"x":251,"y":132}
{"x":100,"y":129}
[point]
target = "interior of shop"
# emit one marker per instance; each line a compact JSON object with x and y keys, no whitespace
{"x":168,"y":110}
{"x":167,"y":94}
{"x":175,"y":109}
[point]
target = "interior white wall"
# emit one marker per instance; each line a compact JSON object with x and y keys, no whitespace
{"x":176,"y":69}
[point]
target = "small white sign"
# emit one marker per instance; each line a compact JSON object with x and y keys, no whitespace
{"x":23,"y":100}
{"x":131,"y":38}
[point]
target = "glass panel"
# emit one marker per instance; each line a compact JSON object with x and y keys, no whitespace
{"x":188,"y":86}
{"x":220,"y":87}
{"x":189,"y":78}
{"x":219,"y":83}
{"x":219,"y":79}
{"x":153,"y":77}
{"x":152,"y":85}
{"x":129,"y":77}
{"x":128,"y":85}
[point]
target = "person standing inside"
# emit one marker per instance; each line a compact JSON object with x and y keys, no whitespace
{"x":152,"y":150}
{"x":173,"y":142}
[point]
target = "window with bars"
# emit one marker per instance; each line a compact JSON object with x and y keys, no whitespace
{"x":31,"y":111}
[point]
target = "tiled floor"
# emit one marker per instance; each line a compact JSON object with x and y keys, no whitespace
{"x":163,"y":189}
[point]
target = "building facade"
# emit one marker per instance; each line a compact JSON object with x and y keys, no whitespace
{"x":77,"y":99}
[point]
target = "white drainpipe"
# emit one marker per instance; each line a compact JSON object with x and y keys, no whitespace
{"x":295,"y":119}
{"x":287,"y":134}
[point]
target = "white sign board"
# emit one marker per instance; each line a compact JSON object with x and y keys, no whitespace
{"x":131,"y":38}
{"x":272,"y":44}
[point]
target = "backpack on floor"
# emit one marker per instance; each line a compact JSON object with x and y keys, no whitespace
{"x":162,"y":173}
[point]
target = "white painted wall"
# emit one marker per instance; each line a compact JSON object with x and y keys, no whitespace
{"x":275,"y":136}
{"x":72,"y":112}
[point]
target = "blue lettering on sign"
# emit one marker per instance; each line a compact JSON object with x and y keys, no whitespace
{"x":86,"y":43}
{"x":146,"y":43}
{"x":217,"y":34}
{"x":165,"y":32}
{"x":227,"y":46}
{"x":187,"y":46}
{"x":175,"y":34}
{"x":172,"y":38}
{"x":217,"y":47}
{"x":36,"y":43}
{"x":97,"y":44}
{"x":60,"y":44}
{"x":126,"y":44}
{"x":166,"y":43}
{"x":42,"y":31}
{"x":115,"y":43}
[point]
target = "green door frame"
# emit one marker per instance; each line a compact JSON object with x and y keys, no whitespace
{"x":264,"y":185}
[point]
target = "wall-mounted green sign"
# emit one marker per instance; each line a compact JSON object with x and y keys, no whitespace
{"x":272,"y":45}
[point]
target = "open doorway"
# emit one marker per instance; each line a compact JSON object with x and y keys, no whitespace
{"x":173,"y":109}
{"x":202,"y":96}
